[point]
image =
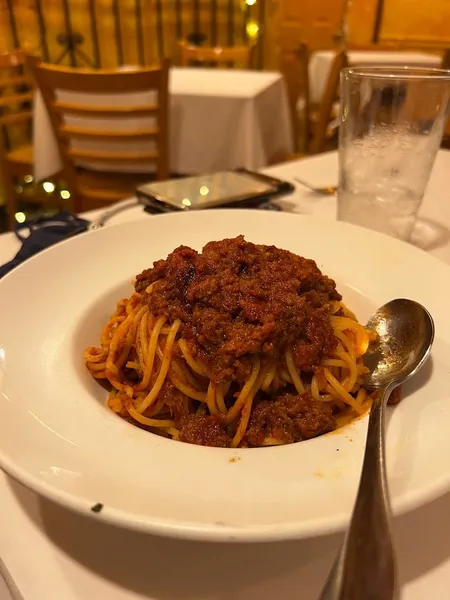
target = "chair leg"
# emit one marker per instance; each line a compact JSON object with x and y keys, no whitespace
{"x":10,"y":199}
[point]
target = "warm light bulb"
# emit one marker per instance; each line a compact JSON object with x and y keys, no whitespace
{"x":252,"y":29}
{"x":65,"y":194}
{"x":20,"y":217}
{"x":204,"y":190}
{"x":250,"y":2}
{"x":48,"y":186}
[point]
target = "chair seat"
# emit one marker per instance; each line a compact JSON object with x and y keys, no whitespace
{"x":23,"y":155}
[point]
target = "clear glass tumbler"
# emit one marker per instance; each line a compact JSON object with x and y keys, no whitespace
{"x":392,"y":122}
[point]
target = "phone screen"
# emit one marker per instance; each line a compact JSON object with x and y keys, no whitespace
{"x":204,"y":191}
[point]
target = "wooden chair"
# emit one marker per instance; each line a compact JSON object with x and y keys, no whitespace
{"x":16,"y":151}
{"x":293,"y":63}
{"x":93,"y":187}
{"x":215,"y":56}
{"x":445,"y":62}
{"x":323,"y":115}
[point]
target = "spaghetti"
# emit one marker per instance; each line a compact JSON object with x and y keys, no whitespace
{"x":240,"y":345}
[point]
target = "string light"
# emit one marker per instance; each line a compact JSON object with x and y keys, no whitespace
{"x":49,"y":187}
{"x":250,"y":2}
{"x":28,"y":178}
{"x":252,"y":29}
{"x":65,"y":194}
{"x":20,"y":217}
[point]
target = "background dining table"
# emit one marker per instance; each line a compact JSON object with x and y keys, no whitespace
{"x":48,"y":552}
{"x":320,"y":65}
{"x":218,"y":119}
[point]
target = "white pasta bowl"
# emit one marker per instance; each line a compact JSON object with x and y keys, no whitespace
{"x":58,"y":437}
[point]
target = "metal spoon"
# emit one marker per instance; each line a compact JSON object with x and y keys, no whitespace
{"x":365,"y":568}
{"x":324,"y":191}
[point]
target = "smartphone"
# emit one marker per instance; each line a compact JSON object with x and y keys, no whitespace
{"x":213,"y":190}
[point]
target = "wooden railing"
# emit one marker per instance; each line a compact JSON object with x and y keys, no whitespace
{"x":108,"y":33}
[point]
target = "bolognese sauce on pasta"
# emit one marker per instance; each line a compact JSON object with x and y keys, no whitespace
{"x":240,"y":345}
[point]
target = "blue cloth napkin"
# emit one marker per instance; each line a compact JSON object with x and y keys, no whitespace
{"x":42,"y":233}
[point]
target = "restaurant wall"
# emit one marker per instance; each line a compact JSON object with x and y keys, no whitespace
{"x":287,"y":23}
{"x":320,"y":24}
{"x":410,"y":21}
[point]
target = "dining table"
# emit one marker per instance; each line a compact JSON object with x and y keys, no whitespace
{"x":48,"y":552}
{"x":219,"y":119}
{"x":320,"y":64}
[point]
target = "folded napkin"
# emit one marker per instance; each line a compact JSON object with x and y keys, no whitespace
{"x":42,"y":233}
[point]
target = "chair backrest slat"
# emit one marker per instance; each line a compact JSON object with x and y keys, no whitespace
{"x":15,"y":82}
{"x":11,"y":100}
{"x":84,"y":110}
{"x":102,"y":81}
{"x":14,"y":118}
{"x":115,"y":157}
{"x":70,"y":132}
{"x":12,"y":59}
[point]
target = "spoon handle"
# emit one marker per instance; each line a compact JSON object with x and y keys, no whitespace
{"x":366,"y":566}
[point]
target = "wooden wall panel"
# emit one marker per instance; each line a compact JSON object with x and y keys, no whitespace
{"x":416,"y":21}
{"x":361,"y":21}
{"x":314,"y":23}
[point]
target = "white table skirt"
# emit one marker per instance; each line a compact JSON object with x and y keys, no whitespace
{"x":320,"y":65}
{"x":219,"y":119}
{"x":54,"y":554}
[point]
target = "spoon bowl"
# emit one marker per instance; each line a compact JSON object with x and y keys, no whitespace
{"x":404,"y":335}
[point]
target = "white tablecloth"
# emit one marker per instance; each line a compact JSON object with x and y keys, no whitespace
{"x":320,"y":64}
{"x":219,"y":119}
{"x":53,"y":554}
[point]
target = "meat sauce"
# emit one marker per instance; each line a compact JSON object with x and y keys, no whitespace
{"x":237,"y":299}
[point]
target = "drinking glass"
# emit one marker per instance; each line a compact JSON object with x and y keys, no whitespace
{"x":392,"y":122}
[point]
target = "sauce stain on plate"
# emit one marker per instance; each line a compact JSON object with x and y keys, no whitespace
{"x":335,"y":473}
